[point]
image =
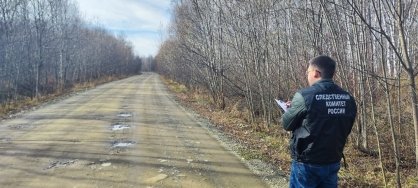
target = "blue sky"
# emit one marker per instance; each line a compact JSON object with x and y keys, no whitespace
{"x":143,"y":22}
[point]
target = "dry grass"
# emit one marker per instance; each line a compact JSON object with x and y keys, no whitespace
{"x":271,"y":144}
{"x":26,"y":103}
{"x":177,"y":88}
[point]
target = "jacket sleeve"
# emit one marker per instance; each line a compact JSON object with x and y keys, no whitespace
{"x":293,"y":117}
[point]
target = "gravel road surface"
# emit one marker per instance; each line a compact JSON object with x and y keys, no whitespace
{"x":128,"y":133}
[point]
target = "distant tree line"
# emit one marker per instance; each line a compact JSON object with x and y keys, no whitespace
{"x":46,"y":47}
{"x":257,"y":50}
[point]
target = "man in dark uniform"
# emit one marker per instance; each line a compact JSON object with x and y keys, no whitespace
{"x":320,"y":117}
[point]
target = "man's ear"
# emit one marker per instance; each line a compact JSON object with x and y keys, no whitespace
{"x":317,"y":74}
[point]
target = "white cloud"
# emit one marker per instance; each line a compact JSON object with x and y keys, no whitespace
{"x":140,"y":20}
{"x":145,"y":45}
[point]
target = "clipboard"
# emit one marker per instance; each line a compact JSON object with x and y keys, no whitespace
{"x":281,"y":104}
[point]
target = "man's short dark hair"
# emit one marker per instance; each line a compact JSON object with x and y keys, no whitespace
{"x":325,"y":64}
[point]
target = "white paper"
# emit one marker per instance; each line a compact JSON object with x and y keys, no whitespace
{"x":282,"y":104}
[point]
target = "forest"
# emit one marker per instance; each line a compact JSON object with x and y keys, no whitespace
{"x":47,"y":48}
{"x":246,"y":53}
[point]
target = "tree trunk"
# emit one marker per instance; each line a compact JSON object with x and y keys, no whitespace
{"x":373,"y":114}
{"x":392,"y":128}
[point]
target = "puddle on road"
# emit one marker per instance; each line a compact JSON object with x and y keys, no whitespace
{"x":162,"y":160}
{"x":125,"y":114}
{"x":106,"y":164}
{"x":98,"y":164}
{"x":118,"y":127}
{"x":122,"y":144}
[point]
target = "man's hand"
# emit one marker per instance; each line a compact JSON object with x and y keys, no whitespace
{"x":288,"y":104}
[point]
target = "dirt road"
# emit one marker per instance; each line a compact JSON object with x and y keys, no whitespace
{"x":128,"y":133}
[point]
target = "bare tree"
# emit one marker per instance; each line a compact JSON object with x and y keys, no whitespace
{"x":47,"y":47}
{"x":257,"y":50}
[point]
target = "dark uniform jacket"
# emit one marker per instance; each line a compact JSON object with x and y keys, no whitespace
{"x":320,"y":118}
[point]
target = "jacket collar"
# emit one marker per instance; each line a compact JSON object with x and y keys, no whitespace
{"x":324,"y":81}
